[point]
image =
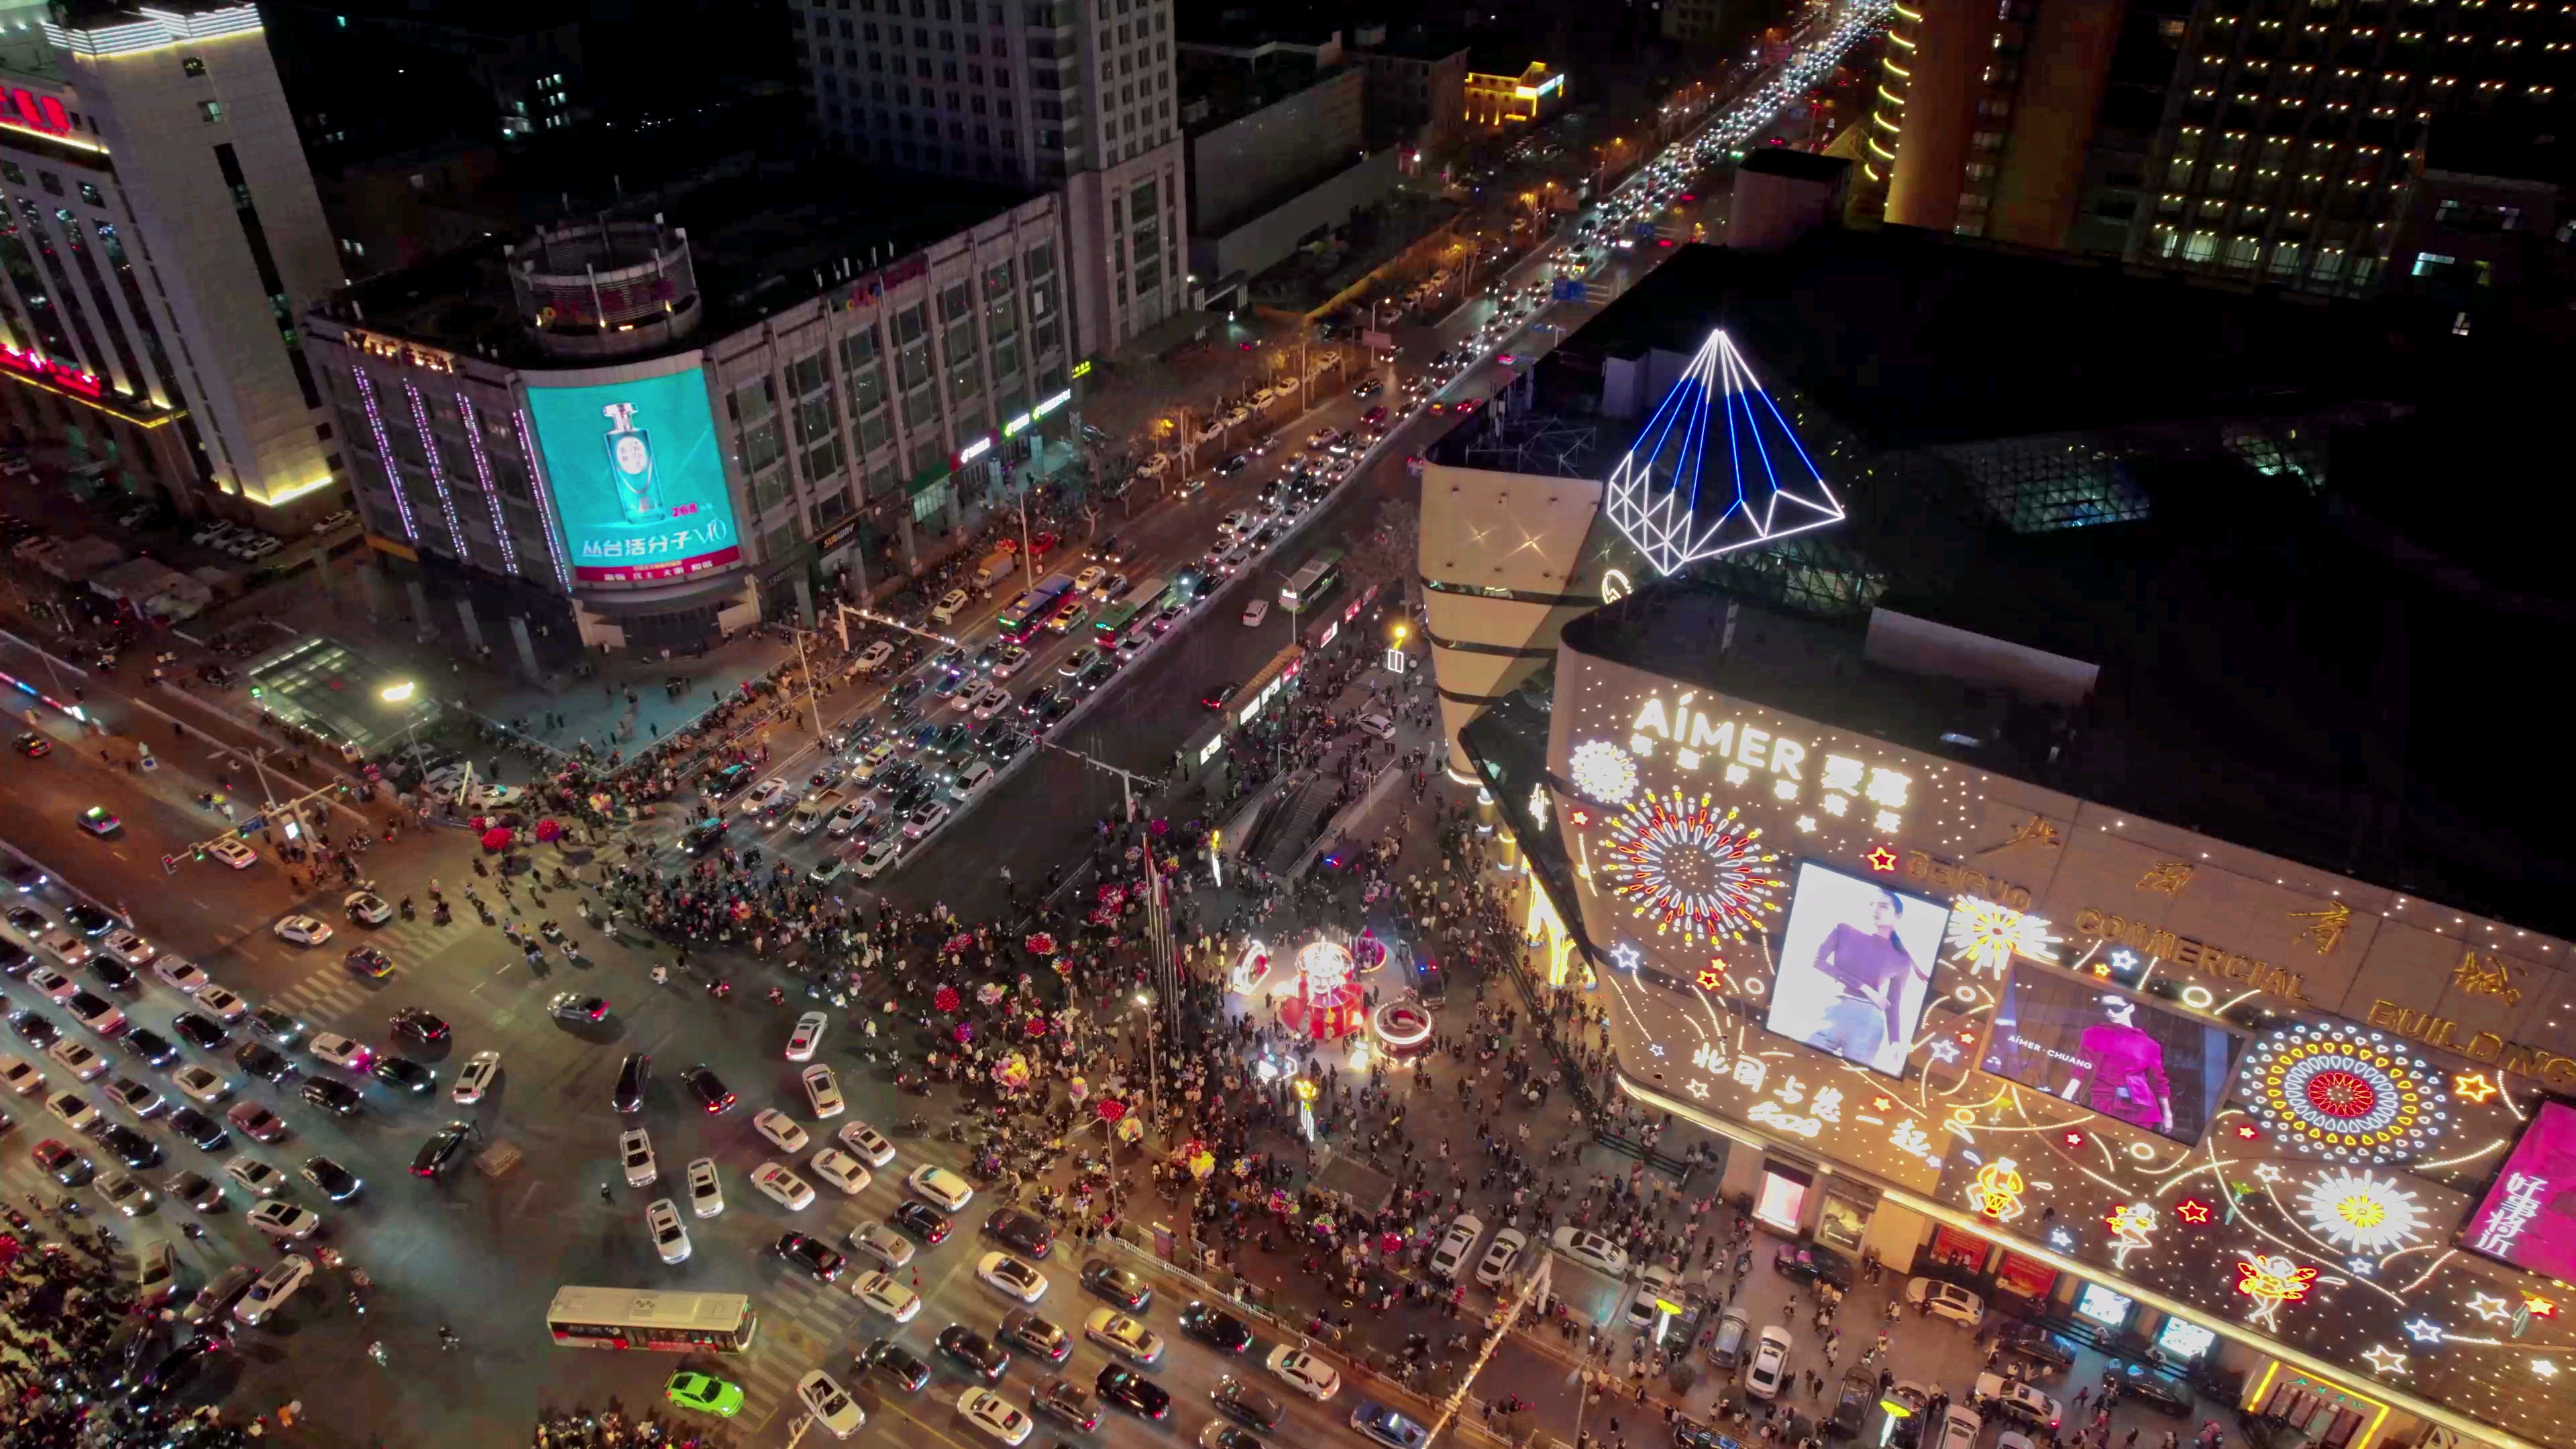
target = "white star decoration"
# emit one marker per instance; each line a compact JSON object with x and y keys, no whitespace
{"x":2124,"y":959}
{"x":1625,"y":957}
{"x":1945,"y":1051}
{"x":2424,"y":1330}
{"x":1699,"y":1089}
{"x":2490,"y":1307}
{"x":2360,"y":1267}
{"x":2385,"y":1360}
{"x":2061,"y":1238}
{"x":1657,"y":1048}
{"x":1807,"y":822}
{"x":2268,"y":1172}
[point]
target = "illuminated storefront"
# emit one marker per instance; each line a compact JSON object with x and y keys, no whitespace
{"x":2114,"y":1070}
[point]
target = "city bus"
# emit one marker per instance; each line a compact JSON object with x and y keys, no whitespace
{"x":643,"y":1318}
{"x":1113,"y":620}
{"x":1020,"y":618}
{"x":1312,"y":581}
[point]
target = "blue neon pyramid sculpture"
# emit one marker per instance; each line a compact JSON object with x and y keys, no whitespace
{"x":1716,"y":469}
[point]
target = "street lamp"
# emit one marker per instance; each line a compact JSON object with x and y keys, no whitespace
{"x":397,"y":693}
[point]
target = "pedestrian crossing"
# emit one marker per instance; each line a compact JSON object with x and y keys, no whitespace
{"x":335,"y":989}
{"x":807,"y":1325}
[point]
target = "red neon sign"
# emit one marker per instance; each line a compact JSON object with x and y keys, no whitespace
{"x":36,"y":364}
{"x":41,"y":113}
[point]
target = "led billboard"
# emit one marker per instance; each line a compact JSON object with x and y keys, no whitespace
{"x":2529,"y":1216}
{"x":1855,"y":965}
{"x":2127,"y":1060}
{"x":638,"y":478}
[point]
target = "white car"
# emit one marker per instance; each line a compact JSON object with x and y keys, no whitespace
{"x":994,"y":1415}
{"x":670,"y":1236}
{"x":841,"y":1170}
{"x":1770,"y":1363}
{"x":65,"y":946}
{"x":1946,"y":1300}
{"x":22,"y":1078}
{"x":925,"y":818}
{"x":129,"y":948}
{"x":635,"y":1151}
{"x":779,"y":1128}
{"x":256,"y":1177}
{"x":333,"y":1049}
{"x":1089,"y":579}
{"x":1009,"y":1276}
{"x":303,"y":931}
{"x":1591,"y":1250}
{"x":367,"y":908}
{"x":875,"y":656}
{"x":272,"y":1289}
{"x":880,"y":1292}
{"x":950,"y":605}
{"x":233,"y":853}
{"x":2018,"y":1400}
{"x":180,"y":972}
{"x":77,"y":1059}
{"x":222,"y":1003}
{"x":1376,"y":724}
{"x":782,"y":1187}
{"x":1455,"y":1245}
{"x":866,"y":1143}
{"x":846,"y":821}
{"x":74,"y":1111}
{"x":56,"y":987}
{"x":807,"y":1036}
{"x":1305,"y":1373}
{"x":1654,"y":1285}
{"x":1009,"y":661}
{"x":284,"y":1222}
{"x":882,"y":1243}
{"x":201,"y":1084}
{"x":879,"y":854}
{"x":476,"y":1079}
{"x":940,"y":1186}
{"x":101,"y":1016}
{"x":823,"y":1092}
{"x":989,"y":701}
{"x":1255,"y":612}
{"x":1502,"y":1257}
{"x":831,"y":1405}
{"x":769,"y":795}
{"x":706,"y":1194}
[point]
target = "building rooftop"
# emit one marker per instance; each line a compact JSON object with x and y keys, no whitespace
{"x":1217,"y":90}
{"x":473,"y":17}
{"x":1914,"y":339}
{"x":1501,"y":57}
{"x":1795,"y":164}
{"x":1414,"y":43}
{"x":2466,"y":145}
{"x":761,"y":239}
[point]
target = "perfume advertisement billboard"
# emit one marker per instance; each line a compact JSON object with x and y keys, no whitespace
{"x":638,"y":478}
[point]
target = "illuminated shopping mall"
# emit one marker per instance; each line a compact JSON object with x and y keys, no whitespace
{"x":2007,"y":861}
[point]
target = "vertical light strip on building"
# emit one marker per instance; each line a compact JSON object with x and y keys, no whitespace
{"x":438,"y":475}
{"x":483,"y":474}
{"x":385,"y":451}
{"x":545,"y":501}
{"x":1890,"y":113}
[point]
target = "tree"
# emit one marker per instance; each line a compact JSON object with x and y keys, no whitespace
{"x":1391,"y":551}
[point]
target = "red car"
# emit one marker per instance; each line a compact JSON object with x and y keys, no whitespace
{"x":1042,"y":545}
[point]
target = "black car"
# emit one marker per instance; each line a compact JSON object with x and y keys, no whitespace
{"x":14,"y":959}
{"x":331,"y":1179}
{"x":89,"y":920}
{"x":1067,"y":1403}
{"x":708,"y":1088}
{"x":404,"y":1074}
{"x":415,"y":1025}
{"x":1692,"y":1434}
{"x":906,"y":692}
{"x":1133,"y":1391}
{"x":894,"y":1363}
{"x":922,"y":1221}
{"x":2030,"y":1341}
{"x":1226,"y":1436}
{"x":199,"y":1131}
{"x":2159,"y":1393}
{"x":704,"y":836}
{"x":1100,"y":673}
{"x":203,"y":1032}
{"x":632,"y":1074}
{"x":1122,"y":1286}
{"x":84,"y":1004}
{"x":1112,"y":550}
{"x":1216,"y":1328}
{"x":27,"y":919}
{"x":1811,"y":1264}
{"x":1020,"y":1230}
{"x":1242,"y":1402}
{"x":810,"y":1254}
{"x":1859,"y":1394}
{"x":333,"y":1096}
{"x":275,"y":1026}
{"x":440,"y":1152}
{"x":1006,"y":747}
{"x":1039,"y":699}
{"x":951,"y":735}
{"x":264,"y":1062}
{"x":131,"y":1147}
{"x":38,"y":1031}
{"x":974,"y":1352}
{"x":22,"y":876}
{"x":1047,"y":1340}
{"x":195,"y":1189}
{"x":1235,"y":464}
{"x":115,"y":974}
{"x":179,"y":1371}
{"x":1056,"y":709}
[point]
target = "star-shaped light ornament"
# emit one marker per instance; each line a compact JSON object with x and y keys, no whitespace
{"x":2424,"y":1330}
{"x":2062,"y":1239}
{"x":2385,"y":1360}
{"x":2191,"y":1210}
{"x":1625,"y":957}
{"x":2268,"y":1172}
{"x":1699,"y":1089}
{"x":2490,"y":1307}
{"x":2472,"y":1086}
{"x":2360,"y":1267}
{"x":1881,"y":859}
{"x":2539,"y":1307}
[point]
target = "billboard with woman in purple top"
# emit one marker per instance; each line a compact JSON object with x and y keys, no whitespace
{"x":1855,"y":965}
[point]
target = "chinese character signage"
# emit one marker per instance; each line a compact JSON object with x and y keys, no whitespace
{"x":638,"y":478}
{"x":2529,"y":1216}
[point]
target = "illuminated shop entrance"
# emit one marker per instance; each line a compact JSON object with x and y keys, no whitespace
{"x":2303,"y":1409}
{"x":1551,"y":946}
{"x":1781,"y":1202}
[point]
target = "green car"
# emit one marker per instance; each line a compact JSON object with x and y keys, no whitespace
{"x":704,"y":1393}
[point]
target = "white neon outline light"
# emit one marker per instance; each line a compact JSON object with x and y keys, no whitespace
{"x":1677,"y":504}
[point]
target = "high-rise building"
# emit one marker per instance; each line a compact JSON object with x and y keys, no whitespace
{"x":161,"y":239}
{"x":1061,"y":95}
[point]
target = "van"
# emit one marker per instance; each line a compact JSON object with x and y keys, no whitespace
{"x":971,"y":779}
{"x":1727,"y":1350}
{"x":1959,"y":1430}
{"x":949,"y":607}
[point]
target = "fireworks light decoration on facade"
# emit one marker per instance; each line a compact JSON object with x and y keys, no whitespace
{"x":2271,"y":1282}
{"x":1689,"y":869}
{"x":2349,"y":1094}
{"x":1985,"y":937}
{"x":1603,"y":772}
{"x":2361,"y":1211}
{"x":1997,"y":1190}
{"x":1717,"y":468}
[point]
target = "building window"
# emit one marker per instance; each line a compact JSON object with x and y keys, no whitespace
{"x":211,"y":110}
{"x":2428,"y":263}
{"x":193,"y":68}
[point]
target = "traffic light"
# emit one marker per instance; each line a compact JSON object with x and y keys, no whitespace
{"x":169,"y":865}
{"x":199,"y":850}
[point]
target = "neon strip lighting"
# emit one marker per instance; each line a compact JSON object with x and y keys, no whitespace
{"x":1884,"y":124}
{"x":156,"y":29}
{"x":1893,"y":98}
{"x":1883,"y":153}
{"x":59,"y":138}
{"x":1872,"y":172}
{"x":1895,"y":39}
{"x":1051,"y":404}
{"x":545,"y":501}
{"x":1678,"y":500}
{"x":1907,"y":14}
{"x":288,"y":495}
{"x":437,"y":475}
{"x":385,"y":453}
{"x":1893,"y":68}
{"x":483,"y":475}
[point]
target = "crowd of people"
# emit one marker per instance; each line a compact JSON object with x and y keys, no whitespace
{"x":75,"y":1339}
